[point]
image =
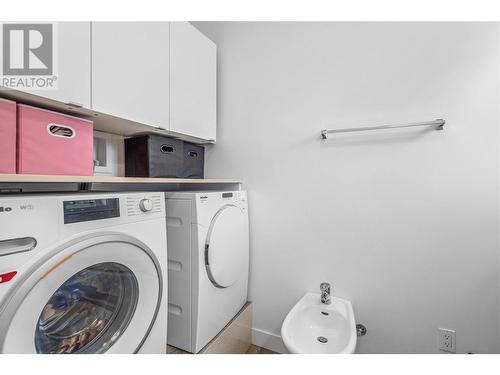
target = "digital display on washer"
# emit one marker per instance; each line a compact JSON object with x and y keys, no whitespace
{"x":90,"y":209}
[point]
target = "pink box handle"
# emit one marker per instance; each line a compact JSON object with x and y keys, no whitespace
{"x":60,"y":130}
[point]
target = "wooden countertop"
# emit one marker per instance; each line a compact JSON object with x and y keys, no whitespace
{"x":27,"y":178}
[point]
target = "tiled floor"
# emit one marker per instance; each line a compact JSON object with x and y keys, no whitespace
{"x":174,"y":350}
{"x":253,"y":349}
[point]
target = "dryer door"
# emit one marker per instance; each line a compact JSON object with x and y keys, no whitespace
{"x":96,"y":295}
{"x":226,"y":246}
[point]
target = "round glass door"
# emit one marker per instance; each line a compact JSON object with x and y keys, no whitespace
{"x":100,"y":293}
{"x":226,"y":247}
{"x":89,"y":312}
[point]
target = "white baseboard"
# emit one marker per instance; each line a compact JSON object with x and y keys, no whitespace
{"x":268,"y":340}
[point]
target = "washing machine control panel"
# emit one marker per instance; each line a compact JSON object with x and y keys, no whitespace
{"x":76,"y":211}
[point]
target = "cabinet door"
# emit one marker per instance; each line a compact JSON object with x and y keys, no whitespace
{"x":130,"y":71}
{"x":193,"y":71}
{"x":72,"y":63}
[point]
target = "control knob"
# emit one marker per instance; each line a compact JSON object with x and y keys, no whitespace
{"x":146,"y":205}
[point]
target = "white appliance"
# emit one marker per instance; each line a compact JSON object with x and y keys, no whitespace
{"x":83,"y":273}
{"x":207,"y":264}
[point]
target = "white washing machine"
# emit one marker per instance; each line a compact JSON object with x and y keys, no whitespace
{"x":83,"y":273}
{"x":207,"y":264}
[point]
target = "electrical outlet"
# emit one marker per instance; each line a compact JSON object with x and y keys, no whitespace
{"x":447,"y":340}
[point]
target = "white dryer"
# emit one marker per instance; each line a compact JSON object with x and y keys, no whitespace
{"x":83,"y":273}
{"x":207,"y":264}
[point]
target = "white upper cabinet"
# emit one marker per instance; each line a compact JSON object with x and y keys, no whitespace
{"x":161,"y":74}
{"x":193,"y":82}
{"x":71,"y":63}
{"x":130,"y":71}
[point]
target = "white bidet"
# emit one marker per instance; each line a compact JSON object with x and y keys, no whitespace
{"x":315,"y":327}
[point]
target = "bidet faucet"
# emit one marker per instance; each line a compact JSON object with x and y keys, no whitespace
{"x":326,"y":297}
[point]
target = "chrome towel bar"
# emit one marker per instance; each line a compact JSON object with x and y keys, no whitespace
{"x":438,"y":123}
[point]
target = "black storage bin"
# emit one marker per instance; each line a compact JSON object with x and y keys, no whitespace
{"x":153,"y":156}
{"x":194,"y":161}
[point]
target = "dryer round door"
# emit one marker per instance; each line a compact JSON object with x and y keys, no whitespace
{"x":226,"y":246}
{"x":100,"y":294}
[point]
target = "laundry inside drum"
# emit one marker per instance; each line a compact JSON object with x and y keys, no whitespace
{"x":89,"y":312}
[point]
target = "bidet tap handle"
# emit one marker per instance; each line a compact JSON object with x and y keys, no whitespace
{"x":325,"y":289}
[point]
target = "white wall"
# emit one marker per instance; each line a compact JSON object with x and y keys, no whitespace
{"x":403,"y":222}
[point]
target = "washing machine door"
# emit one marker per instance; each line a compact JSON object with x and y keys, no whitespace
{"x":226,"y":246}
{"x":95,"y":295}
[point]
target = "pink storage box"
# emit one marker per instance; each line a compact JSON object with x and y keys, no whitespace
{"x":7,"y":136}
{"x":53,"y":143}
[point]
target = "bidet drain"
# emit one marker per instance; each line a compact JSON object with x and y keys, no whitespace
{"x":322,"y":339}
